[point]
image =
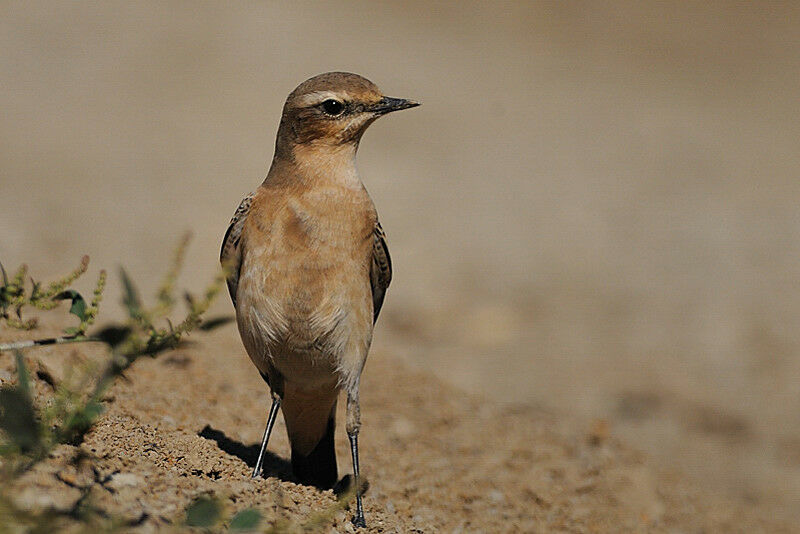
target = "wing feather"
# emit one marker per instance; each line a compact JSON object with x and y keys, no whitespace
{"x":381,"y":271}
{"x":231,"y":254}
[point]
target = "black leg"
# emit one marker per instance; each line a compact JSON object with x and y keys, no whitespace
{"x":358,"y":520}
{"x":273,"y":413}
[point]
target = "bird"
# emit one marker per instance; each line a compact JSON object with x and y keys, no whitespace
{"x":307,"y":268}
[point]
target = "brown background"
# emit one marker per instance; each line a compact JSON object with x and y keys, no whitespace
{"x":595,"y":210}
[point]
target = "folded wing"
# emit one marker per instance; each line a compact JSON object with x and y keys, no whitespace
{"x":231,"y":254}
{"x":381,"y":271}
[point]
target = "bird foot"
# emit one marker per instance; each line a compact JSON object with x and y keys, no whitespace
{"x":359,"y":522}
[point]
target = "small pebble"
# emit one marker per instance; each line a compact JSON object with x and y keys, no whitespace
{"x":124,"y":480}
{"x":496,"y":496}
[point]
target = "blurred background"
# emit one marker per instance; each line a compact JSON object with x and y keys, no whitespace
{"x":595,"y":209}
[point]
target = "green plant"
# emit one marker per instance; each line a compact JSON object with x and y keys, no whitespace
{"x":18,"y":419}
{"x":15,"y":294}
{"x":29,"y":430}
{"x":74,"y":409}
{"x":208,"y":513}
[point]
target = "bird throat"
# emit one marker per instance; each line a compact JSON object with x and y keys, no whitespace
{"x":327,"y":164}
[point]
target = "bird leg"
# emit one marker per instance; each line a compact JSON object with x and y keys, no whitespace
{"x":273,"y":413}
{"x":353,"y":426}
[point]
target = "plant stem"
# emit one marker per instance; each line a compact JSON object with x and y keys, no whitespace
{"x":16,"y":345}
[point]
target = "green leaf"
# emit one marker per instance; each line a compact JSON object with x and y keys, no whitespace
{"x":248,"y":519}
{"x":203,"y":512}
{"x":114,"y":335}
{"x":78,"y":307}
{"x":18,"y":418}
{"x":131,"y":297}
{"x":17,"y":415}
{"x":22,"y":373}
{"x":4,"y":289}
{"x":216,"y":322}
{"x":35,"y":288}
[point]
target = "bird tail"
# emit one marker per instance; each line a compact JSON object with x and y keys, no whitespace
{"x":318,"y":468}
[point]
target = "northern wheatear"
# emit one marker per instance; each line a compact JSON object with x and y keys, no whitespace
{"x":309,"y":268}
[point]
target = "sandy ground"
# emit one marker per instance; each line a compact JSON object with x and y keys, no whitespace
{"x":438,"y":459}
{"x":594,"y":211}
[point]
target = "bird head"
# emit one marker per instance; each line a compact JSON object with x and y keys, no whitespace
{"x":333,"y":110}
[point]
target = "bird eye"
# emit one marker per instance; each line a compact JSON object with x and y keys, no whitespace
{"x":333,"y":107}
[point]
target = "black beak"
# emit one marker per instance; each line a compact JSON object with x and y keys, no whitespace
{"x":388,"y":104}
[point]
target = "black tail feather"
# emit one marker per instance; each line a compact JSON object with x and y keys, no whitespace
{"x":318,"y":468}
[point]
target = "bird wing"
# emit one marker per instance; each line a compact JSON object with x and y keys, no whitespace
{"x":380,"y":273}
{"x":231,"y":254}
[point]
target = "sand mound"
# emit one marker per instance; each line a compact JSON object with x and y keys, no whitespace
{"x":188,"y":423}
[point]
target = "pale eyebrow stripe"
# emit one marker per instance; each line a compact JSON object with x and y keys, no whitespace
{"x":317,"y":97}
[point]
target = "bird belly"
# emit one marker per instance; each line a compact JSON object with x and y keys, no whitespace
{"x":302,"y":317}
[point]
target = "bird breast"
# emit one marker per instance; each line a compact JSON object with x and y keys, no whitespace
{"x":304,"y":290}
